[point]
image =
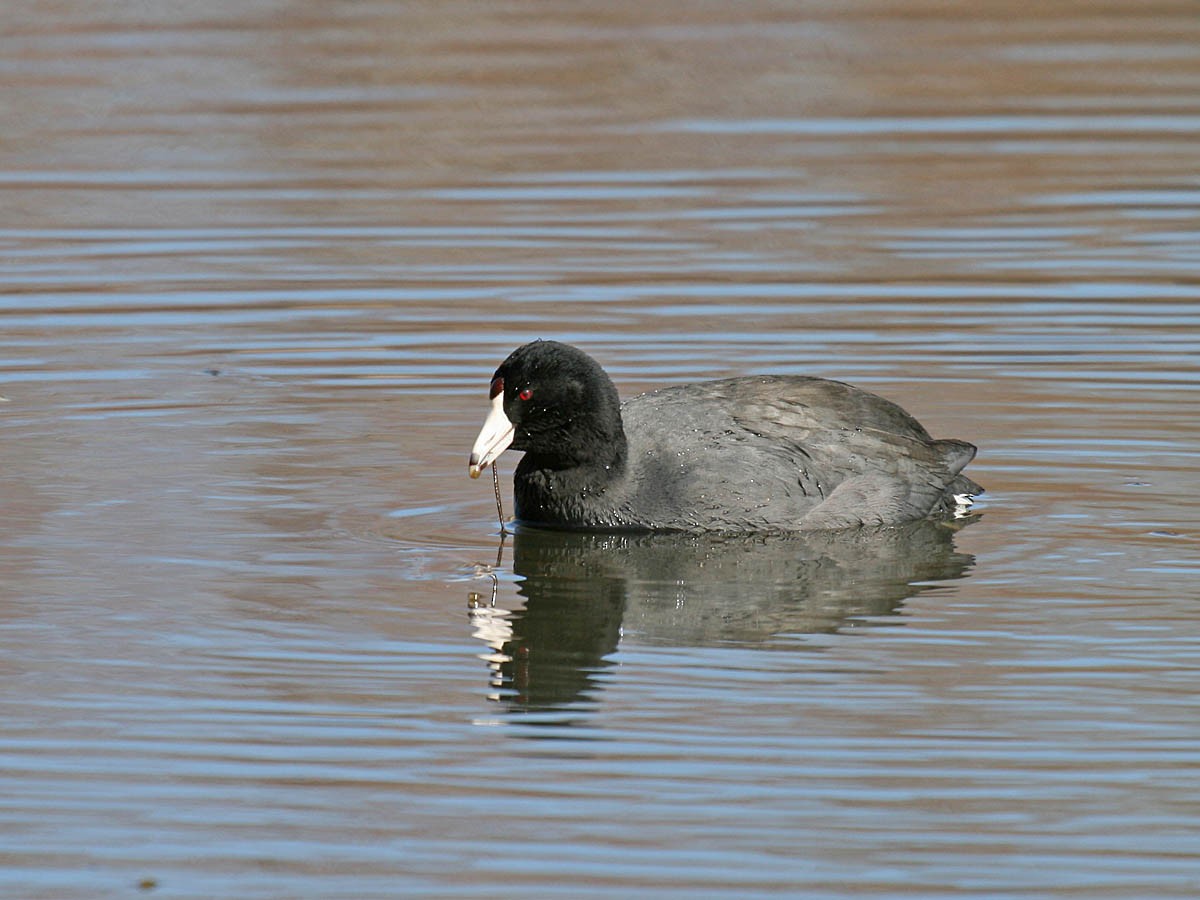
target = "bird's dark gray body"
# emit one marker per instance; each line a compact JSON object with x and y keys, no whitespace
{"x":762,"y":453}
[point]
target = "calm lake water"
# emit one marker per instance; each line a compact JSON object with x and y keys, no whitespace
{"x":259,"y":637}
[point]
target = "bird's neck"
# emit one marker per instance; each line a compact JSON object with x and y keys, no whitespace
{"x":579,"y":493}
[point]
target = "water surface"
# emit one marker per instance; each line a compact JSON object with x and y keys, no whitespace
{"x":259,"y":635}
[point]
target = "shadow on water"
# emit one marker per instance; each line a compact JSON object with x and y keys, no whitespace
{"x":583,"y":593}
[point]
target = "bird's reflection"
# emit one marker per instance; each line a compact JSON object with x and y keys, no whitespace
{"x":582,"y":592}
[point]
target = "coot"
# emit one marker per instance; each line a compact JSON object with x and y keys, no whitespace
{"x":760,"y":453}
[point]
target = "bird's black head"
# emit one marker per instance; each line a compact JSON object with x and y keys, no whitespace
{"x":557,"y":404}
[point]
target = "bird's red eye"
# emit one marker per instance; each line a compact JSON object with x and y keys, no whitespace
{"x":525,"y":393}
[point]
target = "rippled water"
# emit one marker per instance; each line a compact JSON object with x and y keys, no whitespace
{"x":259,"y":635}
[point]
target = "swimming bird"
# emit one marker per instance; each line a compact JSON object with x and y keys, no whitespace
{"x":766,"y":453}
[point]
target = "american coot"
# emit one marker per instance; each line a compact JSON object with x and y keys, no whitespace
{"x":760,"y":453}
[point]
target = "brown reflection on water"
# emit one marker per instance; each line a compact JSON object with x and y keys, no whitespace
{"x":770,"y":142}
